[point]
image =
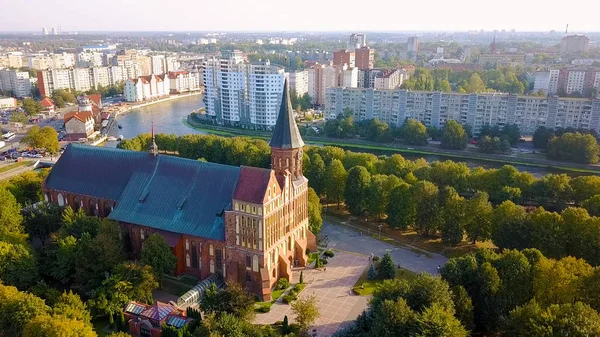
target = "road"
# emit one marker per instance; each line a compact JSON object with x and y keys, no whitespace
{"x":346,"y":239}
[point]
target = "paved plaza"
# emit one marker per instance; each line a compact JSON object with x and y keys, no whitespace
{"x":333,"y":289}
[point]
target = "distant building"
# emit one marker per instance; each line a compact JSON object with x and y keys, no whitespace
{"x":148,"y":319}
{"x":91,"y":103}
{"x":342,"y":57}
{"x":78,"y":125}
{"x":501,"y":59}
{"x":8,"y":102}
{"x":357,"y":41}
{"x":321,"y":77}
{"x":242,"y":93}
{"x":574,"y":44}
{"x":391,"y":79}
{"x":476,"y":110}
{"x":79,"y":79}
{"x":146,"y":88}
{"x":298,"y":81}
{"x":159,"y":64}
{"x":17,"y":82}
{"x":184,"y":81}
{"x":364,"y":58}
{"x":44,"y":31}
{"x":568,"y":81}
{"x":47,"y":105}
{"x":412,"y":47}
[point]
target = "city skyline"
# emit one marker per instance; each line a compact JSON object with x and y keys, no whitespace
{"x":313,"y":15}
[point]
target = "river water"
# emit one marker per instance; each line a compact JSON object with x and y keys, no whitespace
{"x":169,"y":117}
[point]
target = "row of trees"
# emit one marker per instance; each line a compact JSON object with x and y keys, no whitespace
{"x":516,"y":293}
{"x":505,"y":79}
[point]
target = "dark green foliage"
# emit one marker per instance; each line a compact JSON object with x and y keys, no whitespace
{"x":574,"y":147}
{"x":282,"y":283}
{"x":232,"y":300}
{"x":386,"y":269}
{"x":357,"y":185}
{"x":372,"y":272}
{"x":301,"y":280}
{"x":454,"y":136}
{"x":285,"y":326}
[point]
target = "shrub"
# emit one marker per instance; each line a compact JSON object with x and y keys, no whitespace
{"x":264,"y":307}
{"x":372,"y":272}
{"x":282,"y":283}
{"x":328,"y":253}
{"x":298,"y":287}
{"x":376,"y":258}
{"x":287,"y":299}
{"x":307,"y":251}
{"x":285,"y":325}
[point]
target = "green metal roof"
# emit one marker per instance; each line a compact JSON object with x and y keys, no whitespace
{"x":163,"y":192}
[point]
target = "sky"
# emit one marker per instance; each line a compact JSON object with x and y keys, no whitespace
{"x":298,"y":15}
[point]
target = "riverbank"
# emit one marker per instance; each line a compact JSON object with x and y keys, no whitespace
{"x":366,"y":146}
{"x":122,"y":110}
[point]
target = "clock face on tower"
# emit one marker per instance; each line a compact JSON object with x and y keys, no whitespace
{"x":300,"y":154}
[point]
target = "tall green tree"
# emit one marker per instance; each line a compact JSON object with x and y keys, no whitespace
{"x":454,"y":136}
{"x":306,"y":312}
{"x":401,"y":208}
{"x":428,"y":218}
{"x":45,"y":138}
{"x":314,"y":212}
{"x":478,"y":224}
{"x":157,"y":254}
{"x":335,"y":183}
{"x":357,"y":186}
{"x":453,"y":217}
{"x":317,"y":173}
{"x":414,"y":132}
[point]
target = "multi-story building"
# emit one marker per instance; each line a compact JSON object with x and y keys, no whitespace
{"x":477,"y":110}
{"x":146,"y":88}
{"x":512,"y":59}
{"x":391,"y":79}
{"x":568,"y":81}
{"x":298,"y":81}
{"x":364,"y":58}
{"x":79,"y":79}
{"x":357,"y":41}
{"x":242,"y":93}
{"x":321,"y":77}
{"x":8,"y":102}
{"x":347,"y":57}
{"x":78,"y":125}
{"x":574,"y":44}
{"x":18,"y":82}
{"x":11,"y":60}
{"x":184,"y":81}
{"x":243,"y":224}
{"x":412,"y":47}
{"x":159,"y":64}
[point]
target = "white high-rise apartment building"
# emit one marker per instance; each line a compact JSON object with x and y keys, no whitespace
{"x":80,"y":79}
{"x":575,"y":82}
{"x":241,"y":93}
{"x":321,"y":77}
{"x":159,"y":64}
{"x":16,"y":81}
{"x":476,"y":110}
{"x":298,"y":81}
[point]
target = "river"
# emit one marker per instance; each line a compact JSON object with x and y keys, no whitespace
{"x":169,"y":117}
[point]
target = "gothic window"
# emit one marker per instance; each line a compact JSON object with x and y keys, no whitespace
{"x":248,"y":261}
{"x":212,"y":266}
{"x":194,"y":255}
{"x":187,"y":260}
{"x":76,"y":203}
{"x":211,"y":250}
{"x":255,"y":263}
{"x":46,"y":197}
{"x":142,"y":234}
{"x":61,"y":200}
{"x":187,"y":244}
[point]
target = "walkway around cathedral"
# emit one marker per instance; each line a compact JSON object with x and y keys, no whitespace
{"x":333,"y":289}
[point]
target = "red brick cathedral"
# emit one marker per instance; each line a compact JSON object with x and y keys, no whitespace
{"x":248,"y":224}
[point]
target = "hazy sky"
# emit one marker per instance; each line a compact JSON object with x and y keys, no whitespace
{"x":305,"y":15}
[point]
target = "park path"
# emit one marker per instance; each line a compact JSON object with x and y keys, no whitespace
{"x":347,"y":239}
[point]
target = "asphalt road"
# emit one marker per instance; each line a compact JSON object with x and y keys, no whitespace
{"x":346,"y":239}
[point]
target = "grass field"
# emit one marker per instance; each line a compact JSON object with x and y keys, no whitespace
{"x":14,"y":166}
{"x":365,"y":287}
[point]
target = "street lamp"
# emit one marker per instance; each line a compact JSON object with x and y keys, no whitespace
{"x":380,"y":231}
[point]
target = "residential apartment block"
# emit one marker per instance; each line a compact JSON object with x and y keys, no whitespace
{"x":435,"y":108}
{"x":243,"y":93}
{"x":321,"y":77}
{"x":568,"y":81}
{"x":298,"y":81}
{"x":364,"y":58}
{"x":11,"y":60}
{"x":18,"y":82}
{"x":146,"y":88}
{"x":574,"y":44}
{"x":184,"y":81}
{"x":79,"y":79}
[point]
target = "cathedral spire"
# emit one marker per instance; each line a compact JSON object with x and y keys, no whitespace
{"x":153,"y":147}
{"x":286,"y":134}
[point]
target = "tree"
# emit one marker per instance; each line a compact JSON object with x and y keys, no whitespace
{"x":454,"y":136}
{"x":463,"y":305}
{"x":584,"y":187}
{"x":575,"y":147}
{"x":425,"y":196}
{"x":386,"y":269}
{"x":357,"y":185}
{"x":44,"y":138}
{"x":592,"y":205}
{"x":232,"y":300}
{"x":401,"y":207}
{"x":27,"y":186}
{"x":577,"y":320}
{"x":19,"y":117}
{"x":372,"y":274}
{"x":316,"y":173}
{"x":378,"y":193}
{"x":157,"y":254}
{"x":453,"y":217}
{"x":42,"y":220}
{"x":31,"y":106}
{"x":478,"y":224}
{"x":306,"y":311}
{"x":414,"y":132}
{"x":17,"y":309}
{"x":57,"y":326}
{"x":435,"y":321}
{"x":541,"y":136}
{"x":18,"y":265}
{"x":141,"y":277}
{"x":314,"y":212}
{"x":69,"y":305}
{"x":335,"y":183}
{"x":10,"y":214}
{"x":476,"y":84}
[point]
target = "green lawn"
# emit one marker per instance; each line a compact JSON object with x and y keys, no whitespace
{"x":275,"y":295}
{"x":365,"y":287}
{"x":13,"y":166}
